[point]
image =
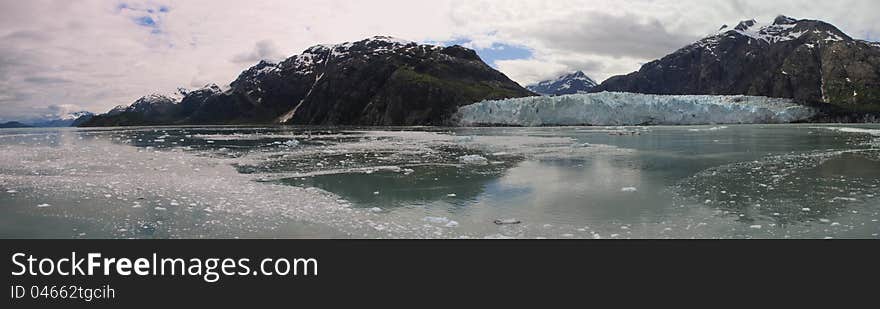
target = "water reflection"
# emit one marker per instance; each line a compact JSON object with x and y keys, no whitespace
{"x":742,"y":181}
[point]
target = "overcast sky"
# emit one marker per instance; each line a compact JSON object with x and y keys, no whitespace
{"x":66,"y":55}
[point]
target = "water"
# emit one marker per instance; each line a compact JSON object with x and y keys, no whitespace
{"x":736,"y":181}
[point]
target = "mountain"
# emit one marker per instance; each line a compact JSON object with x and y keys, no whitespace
{"x":572,"y":83}
{"x":807,"y":60}
{"x":67,"y":120}
{"x":13,"y":124}
{"x":376,"y":81}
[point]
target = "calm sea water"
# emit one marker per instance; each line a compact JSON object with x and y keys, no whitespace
{"x":735,"y":181}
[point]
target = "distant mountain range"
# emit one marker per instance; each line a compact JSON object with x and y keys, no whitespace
{"x":376,"y":81}
{"x":807,"y":60}
{"x":572,"y":83}
{"x":67,"y":120}
{"x":13,"y":124}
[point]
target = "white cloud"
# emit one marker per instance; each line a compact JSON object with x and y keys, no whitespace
{"x":96,"y":54}
{"x":264,"y":50}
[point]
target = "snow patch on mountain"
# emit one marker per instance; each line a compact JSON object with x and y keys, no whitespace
{"x":782,"y":29}
{"x":617,"y":108}
{"x":75,"y":115}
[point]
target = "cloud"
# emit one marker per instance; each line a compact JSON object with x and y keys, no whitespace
{"x":263,"y":50}
{"x":610,"y":35}
{"x":57,"y":110}
{"x":96,"y":54}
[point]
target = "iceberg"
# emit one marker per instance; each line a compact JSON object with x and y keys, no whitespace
{"x":618,"y":108}
{"x":473,"y":159}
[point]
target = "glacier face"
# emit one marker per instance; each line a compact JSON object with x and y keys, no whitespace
{"x":617,"y":108}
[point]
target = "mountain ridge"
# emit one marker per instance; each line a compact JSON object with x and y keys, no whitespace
{"x":376,"y":81}
{"x":808,"y":60}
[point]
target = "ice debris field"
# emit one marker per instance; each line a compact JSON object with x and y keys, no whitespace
{"x":731,"y":181}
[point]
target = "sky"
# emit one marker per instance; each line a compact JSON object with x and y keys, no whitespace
{"x":58,"y":56}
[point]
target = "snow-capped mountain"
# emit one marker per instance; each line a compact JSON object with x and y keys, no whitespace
{"x":808,"y":60}
{"x":66,"y":120}
{"x":376,"y":81}
{"x":576,"y":82}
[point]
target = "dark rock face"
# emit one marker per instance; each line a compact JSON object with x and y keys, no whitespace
{"x":807,"y":60}
{"x":148,"y":110}
{"x":377,"y":81}
{"x":572,"y":83}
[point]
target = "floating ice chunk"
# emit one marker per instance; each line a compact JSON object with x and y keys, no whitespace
{"x":835,"y":223}
{"x":160,"y":208}
{"x":436,"y":220}
{"x":805,"y":209}
{"x":708,"y":129}
{"x":451,"y":195}
{"x":497,"y":236}
{"x":629,"y":189}
{"x":824,"y":220}
{"x":43,"y":205}
{"x":507,"y":221}
{"x":756,"y":226}
{"x":473,"y":159}
{"x":375,"y":192}
{"x":838,"y":198}
{"x":376,"y":209}
{"x":568,"y":235}
{"x":291,"y":143}
{"x":452,"y":223}
{"x":11,"y":191}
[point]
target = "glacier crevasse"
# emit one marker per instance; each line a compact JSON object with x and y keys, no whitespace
{"x":617,"y":108}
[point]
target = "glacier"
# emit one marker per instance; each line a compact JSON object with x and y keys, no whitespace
{"x":618,"y":108}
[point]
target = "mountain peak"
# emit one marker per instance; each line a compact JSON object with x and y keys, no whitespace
{"x":389,"y":39}
{"x":784,"y":20}
{"x":807,"y":60}
{"x":782,"y":29}
{"x":571,"y":83}
{"x":745,"y":25}
{"x":379,"y":80}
